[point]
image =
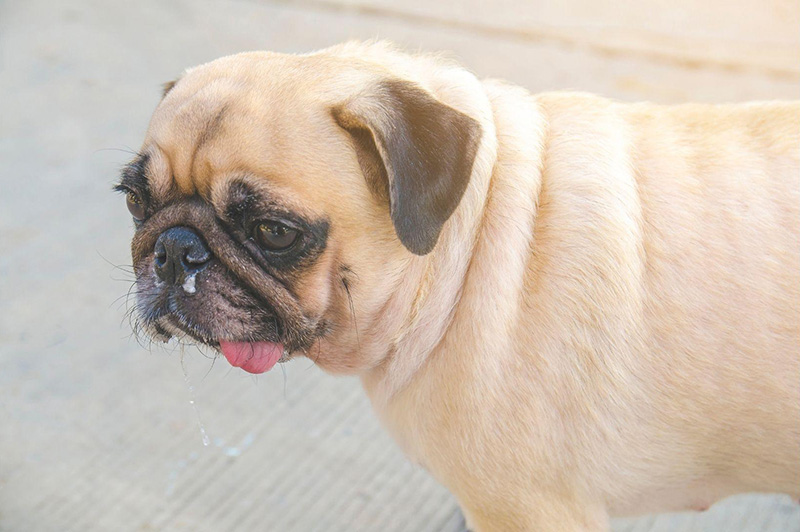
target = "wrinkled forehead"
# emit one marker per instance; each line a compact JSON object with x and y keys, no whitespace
{"x":268,"y":117}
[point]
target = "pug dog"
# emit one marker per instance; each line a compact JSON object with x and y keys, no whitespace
{"x":566,"y":308}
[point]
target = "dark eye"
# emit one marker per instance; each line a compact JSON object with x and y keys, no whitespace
{"x":274,"y":236}
{"x":135,"y":206}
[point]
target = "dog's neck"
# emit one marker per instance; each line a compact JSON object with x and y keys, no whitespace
{"x":482,"y":226}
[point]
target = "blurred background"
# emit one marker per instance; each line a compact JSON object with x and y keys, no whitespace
{"x":100,"y":433}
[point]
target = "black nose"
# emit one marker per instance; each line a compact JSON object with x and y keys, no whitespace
{"x":179,"y":252}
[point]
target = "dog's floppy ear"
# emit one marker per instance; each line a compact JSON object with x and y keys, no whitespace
{"x":166,"y":87}
{"x":415,"y":150}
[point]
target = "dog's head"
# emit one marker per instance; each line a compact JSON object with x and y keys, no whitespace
{"x":271,"y":188}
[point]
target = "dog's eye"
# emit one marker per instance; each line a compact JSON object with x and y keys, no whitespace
{"x":274,"y":236}
{"x":135,"y":206}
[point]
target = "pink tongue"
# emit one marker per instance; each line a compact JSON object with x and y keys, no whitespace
{"x":256,"y":357}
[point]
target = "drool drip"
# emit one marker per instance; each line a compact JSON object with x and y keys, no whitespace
{"x":188,"y":284}
{"x":206,"y":440}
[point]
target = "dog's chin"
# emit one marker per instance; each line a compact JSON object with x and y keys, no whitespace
{"x":170,"y":326}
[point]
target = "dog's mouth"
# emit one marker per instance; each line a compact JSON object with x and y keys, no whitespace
{"x":218,"y":313}
{"x":252,"y":356}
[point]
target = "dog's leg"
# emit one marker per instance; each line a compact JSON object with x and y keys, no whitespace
{"x":543,"y":513}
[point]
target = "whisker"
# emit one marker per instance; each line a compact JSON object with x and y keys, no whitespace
{"x":201,"y":349}
{"x":127,"y":268}
{"x":319,"y":352}
{"x":213,"y":361}
{"x":346,"y":285}
{"x":126,"y":149}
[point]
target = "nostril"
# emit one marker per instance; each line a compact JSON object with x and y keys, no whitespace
{"x":160,"y":254}
{"x":196,"y":256}
{"x":179,"y":252}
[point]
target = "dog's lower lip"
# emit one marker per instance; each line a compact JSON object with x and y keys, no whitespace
{"x":196,"y":335}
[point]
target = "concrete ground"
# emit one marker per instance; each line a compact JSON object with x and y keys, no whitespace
{"x":99,"y":433}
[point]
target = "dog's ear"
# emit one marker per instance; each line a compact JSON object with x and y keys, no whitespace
{"x":416,"y":151}
{"x":166,"y":87}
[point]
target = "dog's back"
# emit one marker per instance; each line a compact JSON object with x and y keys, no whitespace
{"x":667,"y":252}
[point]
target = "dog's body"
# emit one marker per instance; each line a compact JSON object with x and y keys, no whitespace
{"x":606,"y":323}
{"x":624,"y":338}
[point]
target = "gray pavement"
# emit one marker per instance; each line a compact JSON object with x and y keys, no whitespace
{"x":96,"y":431}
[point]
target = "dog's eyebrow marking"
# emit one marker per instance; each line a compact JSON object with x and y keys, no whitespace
{"x":240,"y":200}
{"x":134,"y":176}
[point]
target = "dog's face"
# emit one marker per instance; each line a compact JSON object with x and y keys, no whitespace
{"x":276,"y":196}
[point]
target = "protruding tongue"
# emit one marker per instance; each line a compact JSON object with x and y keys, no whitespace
{"x":255,"y":357}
